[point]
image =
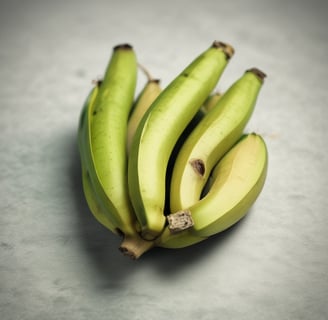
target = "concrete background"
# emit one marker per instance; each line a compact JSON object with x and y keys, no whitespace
{"x":57,"y":262}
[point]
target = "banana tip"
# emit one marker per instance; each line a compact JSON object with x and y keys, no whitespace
{"x":259,"y":73}
{"x":227,"y":48}
{"x":155,"y":80}
{"x":123,"y":46}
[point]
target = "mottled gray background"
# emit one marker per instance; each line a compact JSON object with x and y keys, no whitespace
{"x":57,"y":262}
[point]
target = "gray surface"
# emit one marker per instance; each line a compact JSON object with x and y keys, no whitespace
{"x":57,"y":262}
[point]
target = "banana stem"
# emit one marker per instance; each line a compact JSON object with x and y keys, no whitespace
{"x":179,"y":221}
{"x":147,"y":73}
{"x":134,"y":246}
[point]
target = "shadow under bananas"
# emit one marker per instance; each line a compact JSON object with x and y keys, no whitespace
{"x":169,"y":262}
{"x":99,"y":244}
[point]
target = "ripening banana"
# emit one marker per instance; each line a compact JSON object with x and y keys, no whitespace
{"x":93,"y":201}
{"x":169,"y":169}
{"x":215,"y":134}
{"x":108,"y":125}
{"x":132,"y":245}
{"x":160,"y":129}
{"x":83,"y":137}
{"x":146,"y":97}
{"x":211,"y":101}
{"x":105,"y":149}
{"x":238,"y":179}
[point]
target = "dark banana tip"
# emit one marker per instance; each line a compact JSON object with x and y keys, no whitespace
{"x":154,"y":80}
{"x":123,"y":46}
{"x":97,"y":82}
{"x":259,"y":73}
{"x":126,"y":252}
{"x":227,"y":48}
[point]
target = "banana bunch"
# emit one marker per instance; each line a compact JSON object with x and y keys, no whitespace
{"x":172,"y":166}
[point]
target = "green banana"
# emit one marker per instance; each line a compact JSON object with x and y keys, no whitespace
{"x":103,"y":150}
{"x":146,"y":97}
{"x":108,"y":125}
{"x":210,"y":101}
{"x":93,"y":202}
{"x":160,"y":129}
{"x":215,"y":134}
{"x":183,"y":137}
{"x":238,"y":179}
{"x":83,"y":137}
{"x":132,"y":245}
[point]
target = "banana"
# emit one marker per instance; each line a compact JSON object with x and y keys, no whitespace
{"x":238,"y":179}
{"x":215,"y":134}
{"x":145,"y":98}
{"x":159,"y":130}
{"x":104,"y":145}
{"x":108,"y":125}
{"x":169,"y":169}
{"x":83,"y":137}
{"x":93,"y":202}
{"x":211,"y":101}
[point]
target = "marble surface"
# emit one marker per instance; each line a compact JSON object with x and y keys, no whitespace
{"x":57,"y":262}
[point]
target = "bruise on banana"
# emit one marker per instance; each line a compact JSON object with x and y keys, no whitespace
{"x":199,"y":167}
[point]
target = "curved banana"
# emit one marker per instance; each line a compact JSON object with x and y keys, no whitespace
{"x":183,"y":137}
{"x":105,"y":150}
{"x":219,"y":129}
{"x":160,"y":129}
{"x":108,"y":126}
{"x":93,"y":202}
{"x":210,"y":101}
{"x":146,"y":97}
{"x":238,"y":179}
{"x":83,"y":137}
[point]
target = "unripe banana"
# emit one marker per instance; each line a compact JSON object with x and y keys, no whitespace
{"x":94,"y":202}
{"x":160,"y":129}
{"x":83,"y":142}
{"x":238,"y":179}
{"x":216,"y":133}
{"x":149,"y":93}
{"x":210,"y":101}
{"x":108,"y":127}
{"x":183,"y":137}
{"x":104,"y":145}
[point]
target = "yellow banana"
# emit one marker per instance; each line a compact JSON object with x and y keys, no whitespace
{"x":211,"y":101}
{"x":146,"y":97}
{"x":160,"y":129}
{"x":238,"y":179}
{"x":185,"y":134}
{"x":215,"y":134}
{"x":108,"y":125}
{"x":105,"y":150}
{"x":93,"y":202}
{"x":83,"y":137}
